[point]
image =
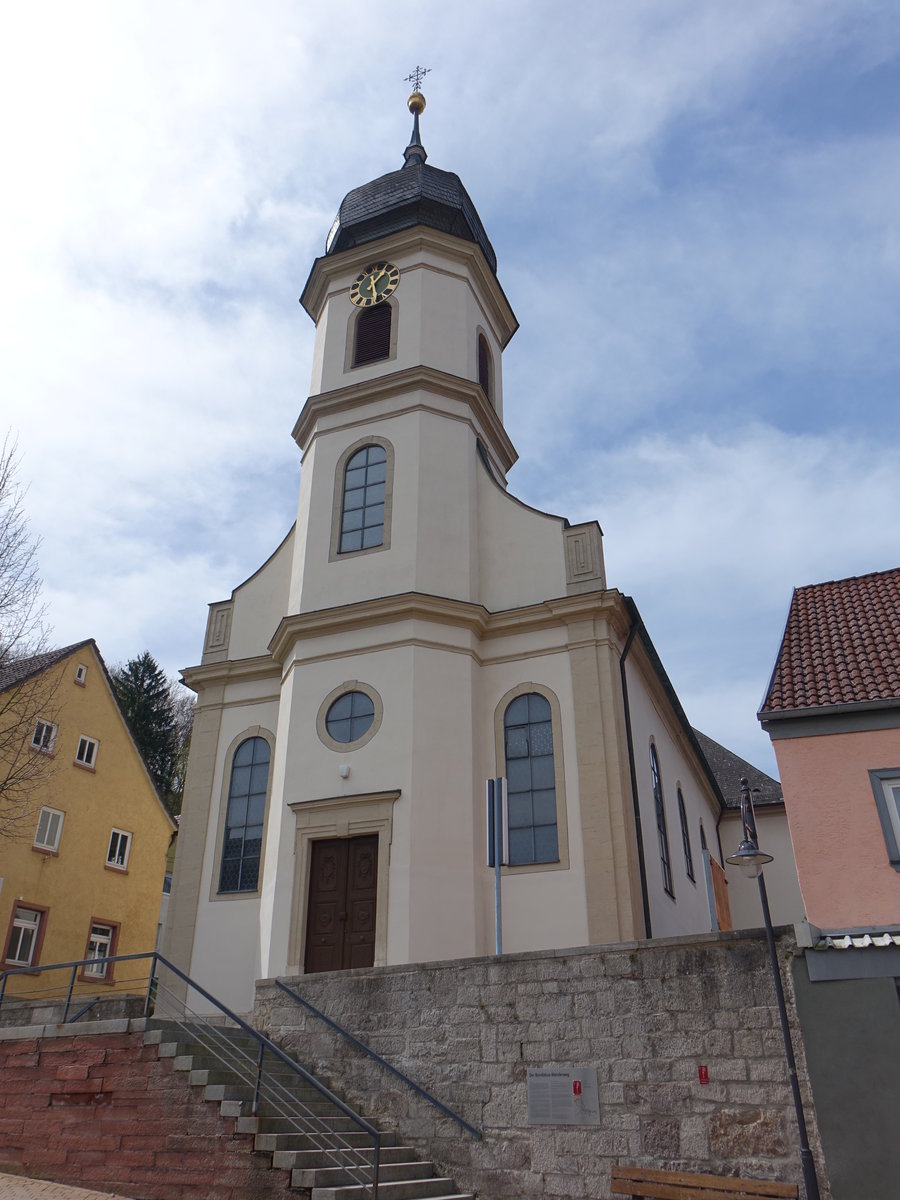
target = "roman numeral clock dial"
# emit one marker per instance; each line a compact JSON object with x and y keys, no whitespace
{"x":374,"y":284}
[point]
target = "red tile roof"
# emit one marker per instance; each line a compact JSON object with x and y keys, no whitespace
{"x":841,"y":644}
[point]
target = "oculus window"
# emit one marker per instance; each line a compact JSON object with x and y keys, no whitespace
{"x":350,"y":717}
{"x":531,"y":781}
{"x":245,"y":817}
{"x":362,"y":509}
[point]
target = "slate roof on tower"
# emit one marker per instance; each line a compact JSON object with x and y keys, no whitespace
{"x":415,"y":195}
{"x":841,"y":645}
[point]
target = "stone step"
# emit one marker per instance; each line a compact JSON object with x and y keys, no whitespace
{"x":330,"y":1177}
{"x":271,"y":1142}
{"x":289,"y":1160}
{"x":415,"y":1189}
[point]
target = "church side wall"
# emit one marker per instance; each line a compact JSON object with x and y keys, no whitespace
{"x":641,"y":1018}
{"x":687,"y":910}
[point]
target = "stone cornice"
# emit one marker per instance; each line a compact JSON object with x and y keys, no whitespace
{"x":231,"y":671}
{"x":332,"y":803}
{"x":398,"y":383}
{"x":407,"y":606}
{"x":327,"y":268}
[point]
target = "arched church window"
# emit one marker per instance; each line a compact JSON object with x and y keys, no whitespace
{"x":484,"y":367}
{"x":373,"y":335}
{"x":686,"y":838}
{"x":531,"y":781}
{"x":245,"y":817}
{"x":662,"y":832}
{"x":362,"y":511}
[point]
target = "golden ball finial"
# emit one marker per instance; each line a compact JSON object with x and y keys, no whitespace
{"x":416,"y":103}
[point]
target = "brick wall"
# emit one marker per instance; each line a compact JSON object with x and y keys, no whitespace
{"x":102,"y":1111}
{"x":647,"y":1016}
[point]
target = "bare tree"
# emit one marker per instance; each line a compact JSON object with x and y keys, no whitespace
{"x":28,"y":680}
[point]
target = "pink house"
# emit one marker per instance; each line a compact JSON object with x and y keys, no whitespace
{"x":832,"y":711}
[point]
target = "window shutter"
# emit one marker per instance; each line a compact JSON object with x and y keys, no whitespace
{"x":373,"y":335}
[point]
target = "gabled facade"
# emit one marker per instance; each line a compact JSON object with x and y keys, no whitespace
{"x":832,"y":710}
{"x":84,"y":876}
{"x":419,"y":631}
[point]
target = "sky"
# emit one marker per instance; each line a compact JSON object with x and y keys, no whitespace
{"x":694,"y":207}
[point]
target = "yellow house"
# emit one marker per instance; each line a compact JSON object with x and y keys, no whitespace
{"x":83,"y":876}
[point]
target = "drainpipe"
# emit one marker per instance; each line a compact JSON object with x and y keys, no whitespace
{"x":634,"y":787}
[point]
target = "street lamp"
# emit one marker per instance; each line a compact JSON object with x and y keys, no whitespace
{"x":751,"y":860}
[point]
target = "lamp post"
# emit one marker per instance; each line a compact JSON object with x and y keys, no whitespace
{"x":751,"y":861}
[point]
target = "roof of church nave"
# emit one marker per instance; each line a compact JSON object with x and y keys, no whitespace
{"x":415,"y":195}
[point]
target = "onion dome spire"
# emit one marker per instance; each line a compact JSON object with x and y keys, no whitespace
{"x":414,"y":154}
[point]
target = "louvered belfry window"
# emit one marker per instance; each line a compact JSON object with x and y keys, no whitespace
{"x":373,"y":335}
{"x":484,"y":366}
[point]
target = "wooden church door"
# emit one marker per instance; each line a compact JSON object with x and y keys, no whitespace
{"x":340,"y":924}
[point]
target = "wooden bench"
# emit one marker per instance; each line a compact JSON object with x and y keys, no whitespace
{"x":682,"y":1185}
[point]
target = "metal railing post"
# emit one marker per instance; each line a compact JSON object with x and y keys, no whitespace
{"x":259,"y":1062}
{"x":65,"y":1015}
{"x":149,"y":997}
{"x":376,"y":1162}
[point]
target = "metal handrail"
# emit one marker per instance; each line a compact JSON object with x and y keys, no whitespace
{"x":155,"y":986}
{"x":410,"y":1083}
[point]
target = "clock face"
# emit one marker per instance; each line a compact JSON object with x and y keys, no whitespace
{"x":374,"y":284}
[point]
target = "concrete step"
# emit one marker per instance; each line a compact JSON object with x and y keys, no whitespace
{"x":415,"y":1189}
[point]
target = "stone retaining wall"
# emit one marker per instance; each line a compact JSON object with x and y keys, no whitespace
{"x":647,"y":1015}
{"x":102,"y":1111}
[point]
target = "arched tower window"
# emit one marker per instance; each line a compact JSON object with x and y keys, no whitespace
{"x":531,"y":781}
{"x":362,"y":511}
{"x":245,"y":817}
{"x":373,"y":335}
{"x":662,"y":832}
{"x":484,"y":367}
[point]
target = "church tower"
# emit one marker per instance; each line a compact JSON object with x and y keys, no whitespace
{"x":418,"y":631}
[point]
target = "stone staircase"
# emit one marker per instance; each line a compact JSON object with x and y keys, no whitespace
{"x":315,"y":1148}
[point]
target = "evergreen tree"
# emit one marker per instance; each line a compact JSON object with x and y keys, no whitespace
{"x":145,"y":697}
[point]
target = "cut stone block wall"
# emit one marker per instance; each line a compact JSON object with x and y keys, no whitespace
{"x":646,"y":1015}
{"x":102,"y":1111}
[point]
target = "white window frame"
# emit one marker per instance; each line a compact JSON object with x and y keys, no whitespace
{"x":24,"y":925}
{"x":81,"y":674}
{"x":52,"y":835}
{"x":100,"y":945}
{"x":85,"y":743}
{"x":112,"y":851}
{"x":44,"y":737}
{"x":886,"y":788}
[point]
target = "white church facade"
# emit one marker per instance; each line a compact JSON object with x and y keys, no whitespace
{"x":419,"y":631}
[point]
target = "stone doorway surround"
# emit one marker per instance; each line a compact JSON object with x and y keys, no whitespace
{"x":340,"y":817}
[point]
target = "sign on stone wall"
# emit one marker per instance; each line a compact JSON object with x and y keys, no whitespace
{"x":563,"y":1096}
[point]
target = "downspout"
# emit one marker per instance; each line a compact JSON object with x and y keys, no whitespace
{"x":634,"y":787}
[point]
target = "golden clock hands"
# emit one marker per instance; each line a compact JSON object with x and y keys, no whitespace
{"x":372,"y":287}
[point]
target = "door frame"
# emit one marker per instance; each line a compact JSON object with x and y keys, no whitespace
{"x":340,"y":817}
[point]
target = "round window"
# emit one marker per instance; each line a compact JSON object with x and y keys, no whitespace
{"x":349,"y":717}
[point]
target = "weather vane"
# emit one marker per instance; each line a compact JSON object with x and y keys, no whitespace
{"x":416,"y":77}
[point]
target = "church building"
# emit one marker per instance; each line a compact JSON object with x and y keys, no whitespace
{"x":418,"y":632}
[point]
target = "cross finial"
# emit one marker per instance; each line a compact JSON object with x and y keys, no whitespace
{"x":415,"y":77}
